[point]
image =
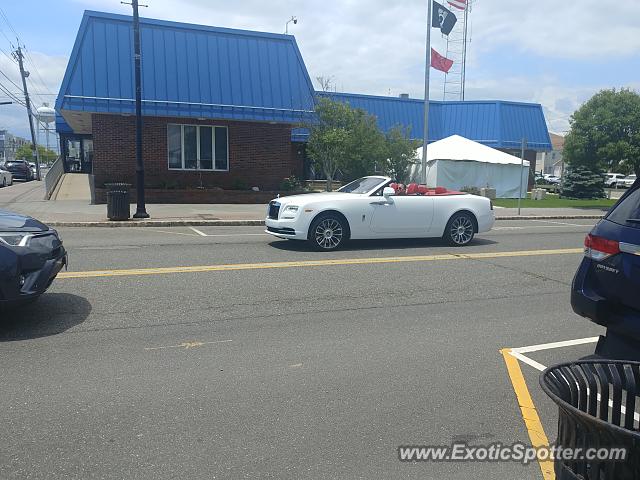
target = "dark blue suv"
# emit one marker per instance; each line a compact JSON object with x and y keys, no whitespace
{"x":606,"y":287}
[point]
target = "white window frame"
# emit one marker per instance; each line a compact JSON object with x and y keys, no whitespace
{"x":213,"y":148}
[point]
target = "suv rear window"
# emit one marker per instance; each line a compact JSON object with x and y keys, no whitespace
{"x":627,"y":212}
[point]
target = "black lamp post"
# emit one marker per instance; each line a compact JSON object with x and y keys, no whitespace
{"x":141,"y":211}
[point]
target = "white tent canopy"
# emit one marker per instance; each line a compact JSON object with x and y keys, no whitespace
{"x":455,"y":162}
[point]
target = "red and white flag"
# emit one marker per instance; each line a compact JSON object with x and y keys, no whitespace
{"x":439,"y":62}
{"x":459,"y":4}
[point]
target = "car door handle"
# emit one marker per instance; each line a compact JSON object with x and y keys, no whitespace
{"x":379,"y":203}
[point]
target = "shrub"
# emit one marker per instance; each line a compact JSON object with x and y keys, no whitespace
{"x":239,"y":184}
{"x":582,"y":182}
{"x":290,"y":184}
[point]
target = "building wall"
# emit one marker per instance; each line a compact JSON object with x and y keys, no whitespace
{"x":259,"y":153}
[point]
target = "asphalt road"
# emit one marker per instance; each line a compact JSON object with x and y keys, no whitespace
{"x":248,"y":367}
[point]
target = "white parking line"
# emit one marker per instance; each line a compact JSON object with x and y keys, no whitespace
{"x":202,"y":234}
{"x":540,"y":367}
{"x":561,"y":223}
{"x":549,"y":346}
{"x":238,"y":235}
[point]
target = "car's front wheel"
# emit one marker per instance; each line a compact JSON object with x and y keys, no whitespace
{"x":460,"y":230}
{"x":327,"y":232}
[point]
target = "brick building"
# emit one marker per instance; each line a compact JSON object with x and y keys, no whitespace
{"x":224,"y":108}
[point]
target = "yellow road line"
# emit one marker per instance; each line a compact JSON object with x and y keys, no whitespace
{"x":529,"y":413}
{"x":311,"y":263}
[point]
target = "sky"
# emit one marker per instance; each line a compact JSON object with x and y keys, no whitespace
{"x":550,"y":52}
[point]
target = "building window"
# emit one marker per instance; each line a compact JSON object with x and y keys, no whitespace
{"x":197,"y":147}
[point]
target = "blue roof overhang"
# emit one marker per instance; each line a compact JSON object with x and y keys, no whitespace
{"x":187,"y":71}
{"x":495,"y":123}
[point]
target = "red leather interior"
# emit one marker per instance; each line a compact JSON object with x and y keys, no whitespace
{"x":415,"y":189}
{"x":412,"y":189}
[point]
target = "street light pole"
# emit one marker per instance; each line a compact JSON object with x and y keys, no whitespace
{"x":286,"y":27}
{"x":141,"y":211}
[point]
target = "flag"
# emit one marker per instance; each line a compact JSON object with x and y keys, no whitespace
{"x":439,"y":62}
{"x":442,"y":19}
{"x":459,"y":4}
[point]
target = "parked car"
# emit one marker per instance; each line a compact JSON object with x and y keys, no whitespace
{"x":376,"y":207}
{"x":31,"y":255}
{"x":606,"y":285}
{"x":20,"y":169}
{"x":34,"y":171}
{"x":552,"y":179}
{"x":6,"y":178}
{"x":611,"y":179}
{"x":627,"y":181}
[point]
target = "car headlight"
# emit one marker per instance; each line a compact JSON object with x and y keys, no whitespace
{"x":15,"y":239}
{"x":290,"y":211}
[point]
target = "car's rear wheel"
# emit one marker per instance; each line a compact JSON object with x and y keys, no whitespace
{"x":327,"y":232}
{"x":460,"y":230}
{"x":4,"y":182}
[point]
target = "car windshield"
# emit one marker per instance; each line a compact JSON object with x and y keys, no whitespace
{"x":362,"y":185}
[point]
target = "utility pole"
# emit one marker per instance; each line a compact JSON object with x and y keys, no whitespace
{"x":24,"y":74}
{"x":141,"y":210}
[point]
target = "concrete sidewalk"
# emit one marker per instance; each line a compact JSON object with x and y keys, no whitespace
{"x":28,"y":199}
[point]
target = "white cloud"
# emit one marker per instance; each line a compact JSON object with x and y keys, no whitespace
{"x":378,"y":47}
{"x":45,"y":76}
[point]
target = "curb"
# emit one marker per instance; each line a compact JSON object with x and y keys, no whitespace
{"x":260,"y":223}
{"x":162,"y":223}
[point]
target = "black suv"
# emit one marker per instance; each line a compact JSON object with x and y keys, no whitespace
{"x":20,"y":169}
{"x":606,"y":287}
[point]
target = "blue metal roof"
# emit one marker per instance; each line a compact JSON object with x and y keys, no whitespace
{"x":495,"y":123}
{"x":61,"y":125}
{"x":187,"y":71}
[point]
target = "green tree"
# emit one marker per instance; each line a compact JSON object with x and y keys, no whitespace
{"x":24,"y":152}
{"x":605,"y":133}
{"x":401,"y":153}
{"x":344,"y":141}
{"x":581,"y":181}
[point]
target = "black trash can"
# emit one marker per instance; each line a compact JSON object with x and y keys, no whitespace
{"x":118,"y":201}
{"x":598,"y":409}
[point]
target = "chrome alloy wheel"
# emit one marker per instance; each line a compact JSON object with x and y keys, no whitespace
{"x":328,"y":234}
{"x":461,"y":230}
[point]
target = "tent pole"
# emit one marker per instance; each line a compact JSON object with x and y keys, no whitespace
{"x":524,"y":140}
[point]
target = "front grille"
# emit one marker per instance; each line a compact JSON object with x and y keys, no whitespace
{"x":274,"y":210}
{"x":283,"y":231}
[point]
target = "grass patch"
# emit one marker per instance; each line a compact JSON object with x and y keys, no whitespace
{"x":554,"y":201}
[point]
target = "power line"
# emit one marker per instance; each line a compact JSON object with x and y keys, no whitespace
{"x":6,"y":19}
{"x":12,"y":82}
{"x":33,"y":64}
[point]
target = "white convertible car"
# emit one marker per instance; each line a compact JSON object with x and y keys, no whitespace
{"x":374,"y":207}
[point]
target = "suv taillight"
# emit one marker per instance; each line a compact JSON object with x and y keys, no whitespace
{"x":600,"y":248}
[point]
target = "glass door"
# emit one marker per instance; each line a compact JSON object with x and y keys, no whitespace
{"x":87,"y":156}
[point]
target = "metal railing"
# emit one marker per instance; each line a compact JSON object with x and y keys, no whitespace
{"x":52,"y":177}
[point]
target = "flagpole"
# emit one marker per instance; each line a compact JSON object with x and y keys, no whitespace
{"x":425,"y":136}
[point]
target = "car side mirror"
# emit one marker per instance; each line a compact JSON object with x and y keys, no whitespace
{"x":388,"y":192}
